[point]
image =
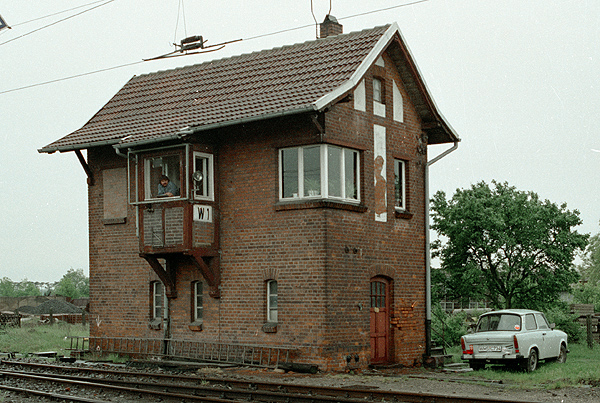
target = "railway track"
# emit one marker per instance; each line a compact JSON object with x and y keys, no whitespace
{"x":86,"y":384}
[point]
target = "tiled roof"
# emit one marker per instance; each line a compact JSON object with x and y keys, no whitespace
{"x":263,"y":84}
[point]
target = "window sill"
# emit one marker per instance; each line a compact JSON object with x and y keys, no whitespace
{"x":319,"y":203}
{"x":112,"y":221}
{"x":155,"y":324}
{"x":195,"y":326}
{"x":270,"y":327}
{"x":403,"y":214}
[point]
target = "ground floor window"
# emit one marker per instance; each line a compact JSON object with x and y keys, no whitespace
{"x":159,"y":300}
{"x":197,"y":295}
{"x":272,"y":301}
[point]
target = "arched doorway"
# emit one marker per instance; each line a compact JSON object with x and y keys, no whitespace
{"x":380,"y":322}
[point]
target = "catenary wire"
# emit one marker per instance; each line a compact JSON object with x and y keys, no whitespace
{"x":57,"y":13}
{"x":244,"y":39}
{"x":56,"y":22}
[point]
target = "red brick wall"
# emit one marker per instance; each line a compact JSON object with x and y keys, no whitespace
{"x":322,"y":258}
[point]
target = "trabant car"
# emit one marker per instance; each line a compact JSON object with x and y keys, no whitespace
{"x":513,"y":336}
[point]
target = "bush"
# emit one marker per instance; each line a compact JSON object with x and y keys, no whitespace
{"x":567,"y":322}
{"x":447,"y":328}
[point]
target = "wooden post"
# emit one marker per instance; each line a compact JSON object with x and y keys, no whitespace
{"x":590,"y":339}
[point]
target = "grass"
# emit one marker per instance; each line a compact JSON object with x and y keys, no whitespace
{"x":580,"y":369}
{"x":39,"y":338}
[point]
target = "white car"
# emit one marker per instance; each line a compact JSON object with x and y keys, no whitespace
{"x":513,"y":336}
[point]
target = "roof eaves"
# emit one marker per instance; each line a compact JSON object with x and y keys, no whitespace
{"x":328,"y":99}
{"x":187,"y":131}
{"x":73,"y":147}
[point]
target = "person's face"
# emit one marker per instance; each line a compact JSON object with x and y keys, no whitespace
{"x":164,"y":182}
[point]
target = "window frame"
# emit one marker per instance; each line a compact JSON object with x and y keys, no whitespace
{"x":159,"y":311}
{"x":324,"y":174}
{"x":272,"y":311}
{"x":400,"y":167}
{"x":208,"y":185}
{"x":148,"y":186}
{"x":198,"y":309}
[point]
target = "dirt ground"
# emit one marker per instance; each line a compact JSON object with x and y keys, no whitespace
{"x":421,"y":381}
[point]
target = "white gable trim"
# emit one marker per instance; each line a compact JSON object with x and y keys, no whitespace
{"x":353,"y":81}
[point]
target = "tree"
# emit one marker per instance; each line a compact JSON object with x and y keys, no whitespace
{"x":25,"y":288}
{"x":74,"y":284}
{"x":505,"y":246}
{"x":590,"y":267}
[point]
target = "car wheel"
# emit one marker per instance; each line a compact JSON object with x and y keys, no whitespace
{"x":530,"y":364}
{"x":476,"y":365}
{"x":562,"y":357}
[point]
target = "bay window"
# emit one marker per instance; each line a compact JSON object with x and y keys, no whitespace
{"x":319,"y":171}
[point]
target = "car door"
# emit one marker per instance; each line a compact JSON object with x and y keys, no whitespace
{"x":550,"y":342}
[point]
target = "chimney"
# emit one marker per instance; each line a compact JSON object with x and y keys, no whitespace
{"x":330,"y":27}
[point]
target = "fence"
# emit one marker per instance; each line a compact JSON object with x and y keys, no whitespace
{"x":244,"y":354}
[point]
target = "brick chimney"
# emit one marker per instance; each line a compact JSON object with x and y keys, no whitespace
{"x":330,"y":27}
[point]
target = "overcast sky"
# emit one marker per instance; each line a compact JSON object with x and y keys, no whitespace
{"x":517,"y":79}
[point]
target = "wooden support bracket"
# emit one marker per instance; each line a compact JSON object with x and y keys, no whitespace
{"x":166,"y":274}
{"x":86,"y":167}
{"x":210,"y":267}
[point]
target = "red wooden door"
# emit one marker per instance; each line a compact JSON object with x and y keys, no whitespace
{"x":380,"y":326}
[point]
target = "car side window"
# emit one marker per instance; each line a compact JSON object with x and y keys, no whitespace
{"x":541,"y":320}
{"x":530,"y":323}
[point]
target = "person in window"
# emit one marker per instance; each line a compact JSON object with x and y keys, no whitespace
{"x":166,"y":188}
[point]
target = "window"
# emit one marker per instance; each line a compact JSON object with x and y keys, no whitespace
{"x":159,"y":300}
{"x":203,"y":178}
{"x":377,"y":91}
{"x":162,"y":176}
{"x":542,"y":322}
{"x":319,"y":171}
{"x":400,"y":184}
{"x":378,"y":97}
{"x":198,"y":308}
{"x":271,"y":301}
{"x":530,"y":322}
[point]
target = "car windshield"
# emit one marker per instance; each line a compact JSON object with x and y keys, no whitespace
{"x":499,"y":322}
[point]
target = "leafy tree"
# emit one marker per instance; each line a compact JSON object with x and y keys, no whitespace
{"x":505,"y":246}
{"x":74,"y":284}
{"x":25,"y":288}
{"x":590,"y":267}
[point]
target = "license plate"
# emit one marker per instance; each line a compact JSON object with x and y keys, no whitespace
{"x":490,"y":349}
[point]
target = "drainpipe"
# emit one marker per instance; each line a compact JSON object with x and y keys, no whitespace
{"x":428,"y":252}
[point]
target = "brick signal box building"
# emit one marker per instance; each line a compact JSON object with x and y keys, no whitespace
{"x":294,"y":215}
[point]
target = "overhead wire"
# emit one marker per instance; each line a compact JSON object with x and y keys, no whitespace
{"x":57,"y":22}
{"x":56,"y":13}
{"x":242,"y":39}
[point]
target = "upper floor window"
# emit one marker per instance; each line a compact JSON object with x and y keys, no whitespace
{"x":203,"y":177}
{"x":400,"y":184}
{"x":378,"y":97}
{"x":162,"y":176}
{"x":319,"y":171}
{"x":272,"y":301}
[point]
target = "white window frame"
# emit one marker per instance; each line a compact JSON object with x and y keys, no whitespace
{"x":159,"y":301}
{"x":378,"y":101}
{"x":324,"y":174}
{"x":148,"y":185}
{"x":400,"y":170}
{"x":198,"y":302}
{"x":209,"y":183}
{"x":272,"y":311}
